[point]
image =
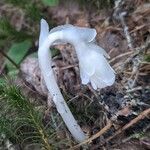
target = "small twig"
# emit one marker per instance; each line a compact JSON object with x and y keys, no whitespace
{"x":68,"y":67}
{"x":2,"y":68}
{"x":133,"y":82}
{"x":126,"y":30}
{"x":101,"y":132}
{"x":137,"y":89}
{"x":145,"y":63}
{"x":140,"y":74}
{"x":120,"y":56}
{"x":131,"y":123}
{"x":72,"y":99}
{"x":118,"y":67}
{"x":139,"y":28}
{"x":5,"y":55}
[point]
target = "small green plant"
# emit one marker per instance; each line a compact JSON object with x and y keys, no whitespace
{"x":19,"y":120}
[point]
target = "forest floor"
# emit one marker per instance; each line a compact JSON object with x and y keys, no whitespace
{"x":116,"y":117}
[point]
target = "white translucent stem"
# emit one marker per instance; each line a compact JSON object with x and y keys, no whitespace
{"x":47,"y":72}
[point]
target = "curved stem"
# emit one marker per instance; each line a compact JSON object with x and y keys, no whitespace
{"x":47,"y":72}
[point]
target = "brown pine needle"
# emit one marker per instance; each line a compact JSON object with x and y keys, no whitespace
{"x":141,"y":116}
{"x":6,"y":56}
{"x":132,"y":122}
{"x":101,"y":132}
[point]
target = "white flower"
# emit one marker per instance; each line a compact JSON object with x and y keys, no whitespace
{"x":93,"y":65}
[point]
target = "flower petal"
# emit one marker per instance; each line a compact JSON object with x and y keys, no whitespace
{"x":93,"y":83}
{"x":86,"y":34}
{"x":98,"y":49}
{"x":93,"y":63}
{"x":74,"y":32}
{"x":86,"y":64}
{"x":104,"y":71}
{"x":44,"y":31}
{"x":98,"y":81}
{"x":61,"y":27}
{"x":84,"y":77}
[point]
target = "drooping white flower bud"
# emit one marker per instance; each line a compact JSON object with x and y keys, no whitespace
{"x":94,"y":67}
